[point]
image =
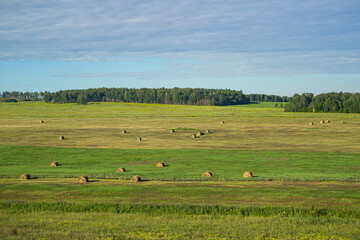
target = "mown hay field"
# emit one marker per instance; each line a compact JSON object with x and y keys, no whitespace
{"x":250,"y":127}
{"x":329,"y":195}
{"x":305,"y":184}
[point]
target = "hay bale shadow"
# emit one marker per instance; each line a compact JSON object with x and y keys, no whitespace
{"x":160,"y":164}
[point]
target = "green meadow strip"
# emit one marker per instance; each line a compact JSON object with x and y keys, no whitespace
{"x":181,"y":164}
{"x":17,"y":206}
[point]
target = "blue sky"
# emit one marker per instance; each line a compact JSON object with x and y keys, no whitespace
{"x":272,"y":47}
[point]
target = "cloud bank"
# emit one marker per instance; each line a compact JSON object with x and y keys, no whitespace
{"x":93,"y":30}
{"x":213,"y":39}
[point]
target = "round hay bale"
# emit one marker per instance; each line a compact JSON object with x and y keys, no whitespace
{"x":199,"y":134}
{"x":247,"y":174}
{"x":123,"y":131}
{"x":61,"y":138}
{"x":135,"y":179}
{"x":41,"y":121}
{"x":341,"y":122}
{"x":54,"y":164}
{"x":327,"y":121}
{"x":207,"y":131}
{"x":160,"y":164}
{"x":172,"y":131}
{"x":83,"y":179}
{"x":121,"y":170}
{"x":193,"y":136}
{"x":311,"y":123}
{"x":222,"y":122}
{"x":139,"y":139}
{"x":25,"y":176}
{"x":207,"y":174}
{"x":322,"y":121}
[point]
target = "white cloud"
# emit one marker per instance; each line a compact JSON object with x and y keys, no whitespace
{"x":65,"y":29}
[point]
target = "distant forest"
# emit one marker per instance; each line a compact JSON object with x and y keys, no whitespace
{"x":267,"y":98}
{"x":326,"y":102}
{"x":189,"y":96}
{"x":30,"y":96}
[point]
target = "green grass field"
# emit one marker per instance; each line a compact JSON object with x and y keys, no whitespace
{"x":185,"y":164}
{"x":306,"y":183}
{"x":90,"y":225}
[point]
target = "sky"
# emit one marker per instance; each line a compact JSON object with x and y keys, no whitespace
{"x":271,"y":47}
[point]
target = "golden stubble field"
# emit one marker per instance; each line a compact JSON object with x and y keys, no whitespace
{"x":251,"y":127}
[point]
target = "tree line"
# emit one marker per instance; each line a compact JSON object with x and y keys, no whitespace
{"x":22,"y":95}
{"x":326,"y":102}
{"x":187,"y":96}
{"x":267,"y":98}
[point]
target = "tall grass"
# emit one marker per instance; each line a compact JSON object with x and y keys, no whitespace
{"x":16,"y":206}
{"x":106,"y":225}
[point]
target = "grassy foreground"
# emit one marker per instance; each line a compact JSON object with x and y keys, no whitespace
{"x":56,"y":225}
{"x":306,"y":183}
